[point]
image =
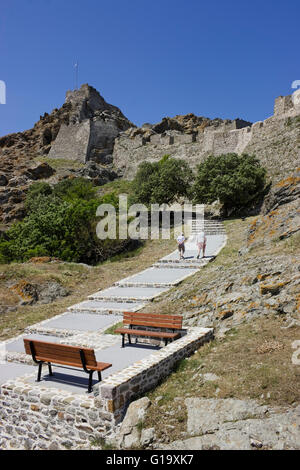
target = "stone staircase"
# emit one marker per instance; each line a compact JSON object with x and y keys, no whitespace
{"x":210,"y":227}
{"x":84,"y":323}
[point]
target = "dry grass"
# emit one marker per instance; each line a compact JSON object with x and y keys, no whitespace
{"x":269,"y":346}
{"x":270,"y":378}
{"x":60,"y":163}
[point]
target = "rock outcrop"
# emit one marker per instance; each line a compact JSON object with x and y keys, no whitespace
{"x":82,"y":130}
{"x":238,"y":425}
{"x":280,"y":214}
{"x":130,"y":432}
{"x":44,"y":293}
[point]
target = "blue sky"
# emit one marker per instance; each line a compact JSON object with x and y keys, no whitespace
{"x":152,"y":59}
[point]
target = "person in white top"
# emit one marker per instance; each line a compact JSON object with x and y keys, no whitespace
{"x":181,"y":247}
{"x":201,"y":243}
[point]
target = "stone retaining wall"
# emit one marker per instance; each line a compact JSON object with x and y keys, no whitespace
{"x":36,"y":417}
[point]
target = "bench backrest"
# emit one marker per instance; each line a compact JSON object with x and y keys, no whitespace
{"x":153,"y":320}
{"x":61,"y":353}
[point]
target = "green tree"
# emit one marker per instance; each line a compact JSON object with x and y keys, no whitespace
{"x":61,"y":222}
{"x":75,"y":188}
{"x":162,"y":182}
{"x":236,"y":180}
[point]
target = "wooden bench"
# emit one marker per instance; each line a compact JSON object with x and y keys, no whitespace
{"x":74,"y":356}
{"x":152,"y":320}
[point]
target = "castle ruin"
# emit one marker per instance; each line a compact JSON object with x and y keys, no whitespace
{"x":99,"y":132}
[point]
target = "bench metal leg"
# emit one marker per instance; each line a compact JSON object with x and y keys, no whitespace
{"x":129,"y":339}
{"x":90,"y":381}
{"x":99,"y":376}
{"x":50,"y":368}
{"x":39,"y":371}
{"x":123,"y":340}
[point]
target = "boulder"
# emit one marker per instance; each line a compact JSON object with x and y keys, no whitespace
{"x":98,"y":174}
{"x":130,"y":434}
{"x":41,"y":171}
{"x":207,"y":415}
{"x":147,"y":436}
{"x":50,"y":291}
{"x":3,"y":180}
{"x":44,"y":293}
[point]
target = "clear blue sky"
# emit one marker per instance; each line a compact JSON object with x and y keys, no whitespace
{"x":153,"y":59}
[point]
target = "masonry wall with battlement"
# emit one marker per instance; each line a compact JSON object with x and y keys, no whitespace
{"x":275,"y":141}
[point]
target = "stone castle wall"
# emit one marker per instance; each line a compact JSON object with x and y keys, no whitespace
{"x":74,"y":136}
{"x":97,"y":129}
{"x":275,"y":142}
{"x":92,"y":128}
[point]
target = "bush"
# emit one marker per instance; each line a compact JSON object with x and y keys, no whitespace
{"x":161,"y":182}
{"x":235,"y":180}
{"x":35,"y":190}
{"x":75,"y":188}
{"x":60,"y":222}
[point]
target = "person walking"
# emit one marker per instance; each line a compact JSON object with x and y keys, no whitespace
{"x":181,"y":247}
{"x":201,"y":243}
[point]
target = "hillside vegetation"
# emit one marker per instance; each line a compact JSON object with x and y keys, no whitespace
{"x":250,"y":295}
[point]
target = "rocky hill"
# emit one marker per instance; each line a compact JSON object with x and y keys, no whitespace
{"x":59,"y":138}
{"x":91,"y":138}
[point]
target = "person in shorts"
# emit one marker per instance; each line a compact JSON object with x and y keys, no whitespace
{"x":181,"y":247}
{"x":201,"y":243}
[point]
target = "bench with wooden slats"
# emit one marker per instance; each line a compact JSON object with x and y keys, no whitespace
{"x":152,"y":320}
{"x":63,"y":354}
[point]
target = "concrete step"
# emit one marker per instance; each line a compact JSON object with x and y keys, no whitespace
{"x":207,"y":222}
{"x":128,"y":294}
{"x":70,"y":323}
{"x":208,"y":225}
{"x":102,"y":307}
{"x":157,"y":277}
{"x":208,"y":232}
{"x":177,"y":265}
{"x":192,"y":262}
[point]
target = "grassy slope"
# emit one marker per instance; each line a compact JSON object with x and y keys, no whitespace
{"x":80,"y":280}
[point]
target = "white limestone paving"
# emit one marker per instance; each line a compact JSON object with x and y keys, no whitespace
{"x":84,"y":323}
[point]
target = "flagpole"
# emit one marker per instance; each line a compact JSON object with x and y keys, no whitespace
{"x":76,"y":75}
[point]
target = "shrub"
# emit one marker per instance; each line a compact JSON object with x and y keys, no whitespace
{"x":161,"y":182}
{"x":61,"y":222}
{"x":235,"y":180}
{"x":35,"y":190}
{"x":75,"y":188}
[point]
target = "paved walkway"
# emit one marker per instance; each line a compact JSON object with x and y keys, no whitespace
{"x":84,"y":323}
